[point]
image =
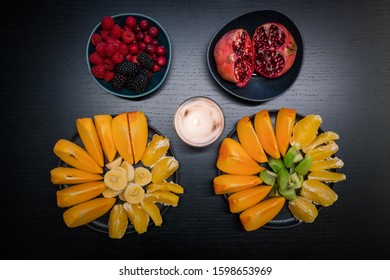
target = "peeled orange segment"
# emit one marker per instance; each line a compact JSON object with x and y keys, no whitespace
{"x":69,"y":175}
{"x":137,"y":216}
{"x":323,"y":138}
{"x":139,"y":133}
{"x":330,"y":163}
{"x":153,"y":211}
{"x":239,"y":201}
{"x":284,"y":125}
{"x":265,"y":132}
{"x":165,"y":186}
{"x":163,"y":197}
{"x":249,"y":140}
{"x":261,"y":213}
{"x":303,"y":209}
{"x":79,"y":193}
{"x":155,"y":150}
{"x":324,"y":151}
{"x":305,"y":130}
{"x":121,"y":135}
{"x":233,"y":159}
{"x":117,"y":222}
{"x":104,"y":131}
{"x":164,"y":168}
{"x":318,"y":192}
{"x":76,"y":156}
{"x":228,"y":183}
{"x":88,"y":134}
{"x":326,"y":176}
{"x":86,"y":212}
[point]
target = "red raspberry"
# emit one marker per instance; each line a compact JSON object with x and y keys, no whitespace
{"x":96,"y":39}
{"x":95,"y":58}
{"x":128,"y":36}
{"x":104,"y":34}
{"x":108,"y":64}
{"x":123,"y":49}
{"x":114,"y":42}
{"x":116,"y":31}
{"x":100,"y":49}
{"x":131,"y":21}
{"x":110,"y":49}
{"x":117,"y":58}
{"x":109,"y":76}
{"x":107,"y":22}
{"x":98,"y":71}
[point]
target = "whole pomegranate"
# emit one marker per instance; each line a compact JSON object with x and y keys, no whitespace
{"x":233,"y":56}
{"x":274,"y":50}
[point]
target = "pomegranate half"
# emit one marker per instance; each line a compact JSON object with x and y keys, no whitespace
{"x":274,"y":50}
{"x":233,"y":56}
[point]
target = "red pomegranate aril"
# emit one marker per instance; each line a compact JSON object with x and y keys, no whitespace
{"x":153,"y":31}
{"x":150,"y":49}
{"x":133,"y":48}
{"x":148,"y":39}
{"x":131,"y":21}
{"x":275,"y":50}
{"x":160,"y":50}
{"x":144,"y":24}
{"x":156,"y":42}
{"x":161,"y":61}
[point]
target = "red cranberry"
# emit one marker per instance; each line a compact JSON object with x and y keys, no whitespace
{"x":141,"y":46}
{"x":156,"y":68}
{"x":161,"y":61}
{"x":156,"y":42}
{"x":150,"y":49}
{"x":137,"y":29}
{"x":131,"y":21}
{"x":128,"y":36}
{"x":144,"y":24}
{"x":148,"y":39}
{"x":160,"y":50}
{"x":133,"y":48}
{"x":140,"y":36}
{"x":153,"y":31}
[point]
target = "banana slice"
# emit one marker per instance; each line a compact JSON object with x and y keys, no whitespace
{"x":116,"y":179}
{"x":122,"y":196}
{"x":129,"y":170}
{"x":116,"y":162}
{"x":109,"y":193}
{"x":142,"y":176}
{"x":134,"y":193}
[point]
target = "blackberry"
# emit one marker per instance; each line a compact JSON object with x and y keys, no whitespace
{"x":145,"y":72}
{"x":145,"y":60}
{"x":119,"y":81}
{"x":127,"y":68}
{"x":139,"y":83}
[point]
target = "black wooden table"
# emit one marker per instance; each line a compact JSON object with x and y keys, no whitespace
{"x":46,"y":87}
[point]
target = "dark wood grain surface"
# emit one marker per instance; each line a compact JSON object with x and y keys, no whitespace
{"x":46,"y":87}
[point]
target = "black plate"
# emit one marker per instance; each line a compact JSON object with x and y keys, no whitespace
{"x":259,"y":88}
{"x":284,"y":219}
{"x":101,"y":224}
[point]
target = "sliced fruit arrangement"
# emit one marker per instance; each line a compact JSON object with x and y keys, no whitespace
{"x":115,"y":171}
{"x":290,"y":164}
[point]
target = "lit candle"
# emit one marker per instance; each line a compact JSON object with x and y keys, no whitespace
{"x":199,"y":121}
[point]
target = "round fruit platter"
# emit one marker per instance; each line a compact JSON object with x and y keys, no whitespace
{"x":129,"y":55}
{"x":284,"y":166}
{"x":257,"y":87}
{"x":117,"y":174}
